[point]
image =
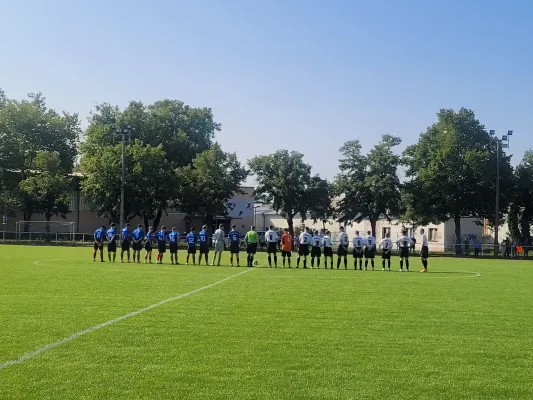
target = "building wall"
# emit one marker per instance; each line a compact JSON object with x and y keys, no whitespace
{"x":441,"y":236}
{"x":87,"y":221}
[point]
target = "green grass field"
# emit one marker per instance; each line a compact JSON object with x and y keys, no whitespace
{"x":265,"y":333}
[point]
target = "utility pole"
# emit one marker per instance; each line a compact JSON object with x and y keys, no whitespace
{"x":504,"y":145}
{"x":125,"y":135}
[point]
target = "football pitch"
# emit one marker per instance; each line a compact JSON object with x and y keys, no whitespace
{"x":74,"y":329}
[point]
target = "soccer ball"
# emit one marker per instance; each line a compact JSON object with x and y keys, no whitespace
{"x":255,"y":262}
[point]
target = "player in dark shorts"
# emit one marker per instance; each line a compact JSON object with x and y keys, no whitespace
{"x":191,"y":245}
{"x":111,"y":236}
{"x":386,"y":250}
{"x":125,"y":242}
{"x":251,"y":238}
{"x":316,"y":249}
{"x":99,"y":236}
{"x":424,"y":251}
{"x":234,"y":242}
{"x":404,"y":243}
{"x":161,"y":244}
{"x":204,"y":245}
{"x":137,"y":243}
{"x":358,"y":244}
{"x":173,"y":241}
{"x":342,"y":250}
{"x":148,"y":245}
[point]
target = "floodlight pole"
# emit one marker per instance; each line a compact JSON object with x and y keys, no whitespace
{"x":125,"y":134}
{"x":505,"y":144}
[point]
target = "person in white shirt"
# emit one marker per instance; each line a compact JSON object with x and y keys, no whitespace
{"x":358,"y":244}
{"x":328,"y":250}
{"x":424,"y":252}
{"x":271,"y":238}
{"x":404,"y":243}
{"x":386,"y":249}
{"x":303,"y":249}
{"x":342,"y":250}
{"x":370,"y":249}
{"x":316,"y":249}
{"x":218,"y":238}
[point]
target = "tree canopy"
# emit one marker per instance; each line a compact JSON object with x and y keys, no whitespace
{"x":369,"y":185}
{"x":454,"y":163}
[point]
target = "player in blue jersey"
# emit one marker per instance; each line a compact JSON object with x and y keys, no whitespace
{"x":111,"y":236}
{"x":173,"y":239}
{"x":161,"y":237}
{"x":148,"y":239}
{"x":125,"y":236}
{"x":204,"y":245}
{"x":99,"y":237}
{"x":138,"y":237}
{"x":191,"y":245}
{"x":234,"y":242}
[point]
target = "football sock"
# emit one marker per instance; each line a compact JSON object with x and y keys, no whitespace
{"x":345,"y":262}
{"x":360,"y":264}
{"x":238,"y":260}
{"x":312,"y":262}
{"x":289,"y":262}
{"x":401,"y":264}
{"x":366,"y":263}
{"x":187,"y":259}
{"x":305,"y":262}
{"x":269,"y":260}
{"x":425,"y":263}
{"x":389,"y":263}
{"x":407,"y":264}
{"x":383,"y":263}
{"x":275,"y":260}
{"x":338,"y":262}
{"x":298,"y":262}
{"x":372,"y":262}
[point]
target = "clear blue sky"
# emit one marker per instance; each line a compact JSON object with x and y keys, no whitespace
{"x":299,"y":74}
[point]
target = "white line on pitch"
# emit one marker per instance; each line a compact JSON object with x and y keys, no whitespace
{"x":52,"y":345}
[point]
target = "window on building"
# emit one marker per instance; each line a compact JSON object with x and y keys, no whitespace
{"x":384,"y":231}
{"x":433,"y":235}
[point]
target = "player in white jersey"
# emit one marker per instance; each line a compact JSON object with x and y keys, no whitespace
{"x":218,"y":239}
{"x":358,"y":244}
{"x":271,"y":238}
{"x":342,"y":250}
{"x":328,"y":250}
{"x":370,"y":249}
{"x":424,"y":252}
{"x":303,"y":249}
{"x":316,"y":249}
{"x":386,"y":249}
{"x":404,"y":243}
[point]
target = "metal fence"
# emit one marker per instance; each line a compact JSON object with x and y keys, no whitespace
{"x":491,"y":250}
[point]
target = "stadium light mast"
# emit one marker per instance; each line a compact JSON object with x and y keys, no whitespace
{"x":123,"y":134}
{"x":504,"y":143}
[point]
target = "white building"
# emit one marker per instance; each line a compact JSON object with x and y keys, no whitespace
{"x":441,"y":237}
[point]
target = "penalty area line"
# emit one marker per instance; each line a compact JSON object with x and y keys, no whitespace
{"x":50,"y":346}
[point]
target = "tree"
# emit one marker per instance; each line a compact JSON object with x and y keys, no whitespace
{"x":416,"y":206}
{"x":208,"y":183}
{"x":180,"y":131}
{"x":320,"y":201}
{"x":28,"y":129}
{"x":46,"y":190}
{"x":149,"y":186}
{"x":284,"y":182}
{"x":520,"y":216}
{"x":454,"y":162}
{"x":369,"y":184}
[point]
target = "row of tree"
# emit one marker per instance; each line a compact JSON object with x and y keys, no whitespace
{"x":173,"y":161}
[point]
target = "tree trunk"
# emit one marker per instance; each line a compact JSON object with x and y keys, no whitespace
{"x":146,"y":222}
{"x":48,"y":217}
{"x":373,"y":223}
{"x":27,"y":217}
{"x":290,"y":223}
{"x":157,"y":220}
{"x":209,"y":222}
{"x":458,"y":247}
